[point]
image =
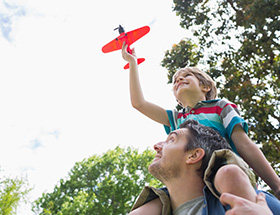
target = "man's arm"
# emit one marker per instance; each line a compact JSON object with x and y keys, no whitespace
{"x":255,"y":158}
{"x":138,"y":101}
{"x":240,"y":206}
{"x":153,"y":207}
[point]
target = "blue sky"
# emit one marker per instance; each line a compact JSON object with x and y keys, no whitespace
{"x":10,"y":12}
{"x":62,"y":99}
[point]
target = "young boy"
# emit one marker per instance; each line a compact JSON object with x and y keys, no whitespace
{"x":196,"y":92}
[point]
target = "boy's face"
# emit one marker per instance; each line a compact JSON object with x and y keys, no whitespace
{"x":185,"y":81}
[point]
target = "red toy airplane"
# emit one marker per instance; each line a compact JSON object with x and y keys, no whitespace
{"x":129,"y":38}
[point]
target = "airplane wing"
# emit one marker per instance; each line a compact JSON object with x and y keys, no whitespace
{"x":130,"y":37}
{"x":114,"y":45}
{"x":136,"y":34}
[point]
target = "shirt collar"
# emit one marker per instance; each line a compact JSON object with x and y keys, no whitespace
{"x":199,"y":104}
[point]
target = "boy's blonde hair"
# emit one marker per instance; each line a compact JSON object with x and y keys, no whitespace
{"x":204,"y":79}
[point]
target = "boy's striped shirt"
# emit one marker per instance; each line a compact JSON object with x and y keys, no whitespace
{"x":219,"y":114}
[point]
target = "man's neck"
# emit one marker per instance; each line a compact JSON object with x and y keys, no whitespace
{"x":182,"y":190}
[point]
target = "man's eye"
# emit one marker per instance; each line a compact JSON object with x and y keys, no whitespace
{"x":171,"y":139}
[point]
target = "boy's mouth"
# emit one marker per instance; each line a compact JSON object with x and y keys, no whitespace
{"x":181,"y":83}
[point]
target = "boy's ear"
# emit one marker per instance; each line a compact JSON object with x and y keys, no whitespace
{"x":195,"y":156}
{"x":206,"y":89}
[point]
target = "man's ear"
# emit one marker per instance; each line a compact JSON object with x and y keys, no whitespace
{"x":195,"y":156}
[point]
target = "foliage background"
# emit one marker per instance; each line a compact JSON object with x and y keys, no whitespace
{"x":101,"y":184}
{"x":12,"y":191}
{"x":237,"y":43}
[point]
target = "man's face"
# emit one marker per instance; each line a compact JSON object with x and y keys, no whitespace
{"x":171,"y":156}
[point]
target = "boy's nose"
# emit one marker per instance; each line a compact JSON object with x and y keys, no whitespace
{"x":180,"y":78}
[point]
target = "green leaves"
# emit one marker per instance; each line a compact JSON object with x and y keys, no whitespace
{"x":106,"y":184}
{"x":185,"y":53}
{"x":12,"y":190}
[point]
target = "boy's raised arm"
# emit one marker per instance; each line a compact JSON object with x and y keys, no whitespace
{"x":138,"y":101}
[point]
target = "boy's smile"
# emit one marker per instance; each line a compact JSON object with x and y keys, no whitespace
{"x":181,"y":83}
{"x":185,"y":80}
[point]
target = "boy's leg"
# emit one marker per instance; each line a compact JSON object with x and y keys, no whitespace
{"x":151,"y":208}
{"x":232,"y":179}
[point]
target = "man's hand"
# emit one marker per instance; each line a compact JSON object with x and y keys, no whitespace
{"x":240,"y":206}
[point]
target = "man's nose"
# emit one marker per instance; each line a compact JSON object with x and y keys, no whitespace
{"x":158,"y":146}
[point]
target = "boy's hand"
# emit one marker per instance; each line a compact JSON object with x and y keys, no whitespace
{"x":127,"y":56}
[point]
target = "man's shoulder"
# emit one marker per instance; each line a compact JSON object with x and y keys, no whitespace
{"x":150,"y":193}
{"x":213,"y":204}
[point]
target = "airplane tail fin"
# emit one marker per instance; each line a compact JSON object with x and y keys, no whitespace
{"x":139,"y":60}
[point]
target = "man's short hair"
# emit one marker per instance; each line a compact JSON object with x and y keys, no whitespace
{"x":200,"y":136}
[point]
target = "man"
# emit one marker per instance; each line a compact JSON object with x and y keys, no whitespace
{"x":180,"y":163}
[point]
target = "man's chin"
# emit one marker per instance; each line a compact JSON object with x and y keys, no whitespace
{"x":151,"y":166}
{"x":154,"y":169}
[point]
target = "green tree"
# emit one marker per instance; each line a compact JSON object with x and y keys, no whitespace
{"x":12,"y":191}
{"x":101,"y":184}
{"x":238,"y":44}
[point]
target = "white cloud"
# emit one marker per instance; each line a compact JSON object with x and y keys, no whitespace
{"x":10,"y":12}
